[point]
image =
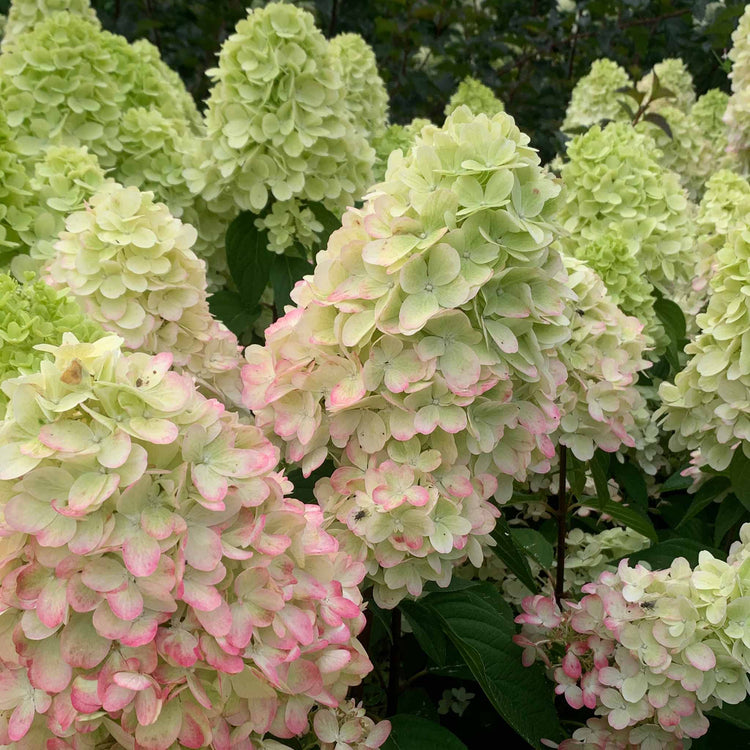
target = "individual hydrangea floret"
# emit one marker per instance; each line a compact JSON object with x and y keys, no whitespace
{"x":348,"y":728}
{"x":23,"y":15}
{"x":422,"y":355}
{"x":129,"y":263}
{"x":160,"y":586}
{"x":603,"y":357}
{"x":34,"y":313}
{"x":480,"y":99}
{"x":649,"y":651}
{"x":737,"y":115}
{"x":366,"y":97}
{"x":595,"y":96}
{"x":674,"y":76}
{"x":615,"y":185}
{"x":707,"y":406}
{"x":278,"y":125}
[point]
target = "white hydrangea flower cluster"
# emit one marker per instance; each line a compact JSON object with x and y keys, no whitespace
{"x":649,"y":651}
{"x":129,"y":263}
{"x":737,"y":115}
{"x":422,"y":355}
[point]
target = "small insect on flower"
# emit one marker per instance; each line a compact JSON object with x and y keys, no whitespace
{"x":648,"y":605}
{"x":74,"y":373}
{"x":360,"y":514}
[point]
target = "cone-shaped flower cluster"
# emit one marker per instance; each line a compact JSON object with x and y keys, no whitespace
{"x":707,"y":116}
{"x":158,"y":586}
{"x":649,"y":651}
{"x":707,"y":406}
{"x":615,"y":185}
{"x":366,"y":97}
{"x":422,"y":353}
{"x":603,"y":358}
{"x":129,"y":263}
{"x":674,"y":76}
{"x":595,"y":96}
{"x":476,"y":96}
{"x":23,"y":15}
{"x":278,"y":124}
{"x":67,"y":81}
{"x":737,"y":116}
{"x":34,"y":313}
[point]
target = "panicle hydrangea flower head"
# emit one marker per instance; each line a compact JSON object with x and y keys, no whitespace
{"x":649,"y":651}
{"x":23,"y":15}
{"x":615,"y":184}
{"x":158,"y":584}
{"x":35,"y":313}
{"x":421,"y":355}
{"x":67,"y":81}
{"x":595,"y":97}
{"x":366,"y":97}
{"x":480,"y":99}
{"x":64,"y":178}
{"x":707,"y":117}
{"x":129,"y":263}
{"x":737,"y":115}
{"x":277,"y":120}
{"x":674,"y":76}
{"x":616,"y":262}
{"x":706,"y":407}
{"x":725,"y":193}
{"x":603,"y":357}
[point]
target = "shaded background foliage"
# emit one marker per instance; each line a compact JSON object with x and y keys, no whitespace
{"x":529,"y":52}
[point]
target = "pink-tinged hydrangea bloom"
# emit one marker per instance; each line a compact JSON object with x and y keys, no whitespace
{"x":347,"y":728}
{"x":422,"y":355}
{"x":707,"y":406}
{"x":158,"y":585}
{"x":129,"y":263}
{"x":649,"y":651}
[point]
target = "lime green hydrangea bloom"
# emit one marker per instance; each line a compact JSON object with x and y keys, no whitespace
{"x":737,"y":116}
{"x":366,"y":97}
{"x":617,"y":264}
{"x":33,"y":313}
{"x":707,"y":116}
{"x":130,"y":265}
{"x":67,"y":81}
{"x":23,"y":15}
{"x":396,"y":138}
{"x":480,"y":99}
{"x":615,"y":184}
{"x":278,"y":124}
{"x":674,"y":76}
{"x":595,"y":97}
{"x":63,"y":180}
{"x":707,"y":406}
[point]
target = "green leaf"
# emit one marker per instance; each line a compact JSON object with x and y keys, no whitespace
{"x":410,"y":732}
{"x":509,"y":552}
{"x":661,"y":555}
{"x":676,"y":482}
{"x":712,"y":489}
{"x":738,"y":715}
{"x":286,"y":271}
{"x":304,"y":486}
{"x":671,"y":317}
{"x":631,"y":92}
{"x":535,"y":545}
{"x":629,"y":110}
{"x":426,"y":630}
{"x":632,"y":482}
{"x":231,"y":310}
{"x":576,"y":475}
{"x":731,"y":512}
{"x":248,"y":258}
{"x":483,"y":633}
{"x":625,"y":515}
{"x":739,"y":474}
{"x":659,"y":121}
{"x":600,"y":471}
{"x":328,"y":219}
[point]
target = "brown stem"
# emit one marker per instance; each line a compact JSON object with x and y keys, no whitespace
{"x":562,"y":514}
{"x":395,"y":663}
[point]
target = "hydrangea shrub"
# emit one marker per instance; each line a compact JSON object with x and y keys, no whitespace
{"x":594,"y":97}
{"x":129,"y":263}
{"x":649,"y":651}
{"x":159,"y":586}
{"x":422,"y":355}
